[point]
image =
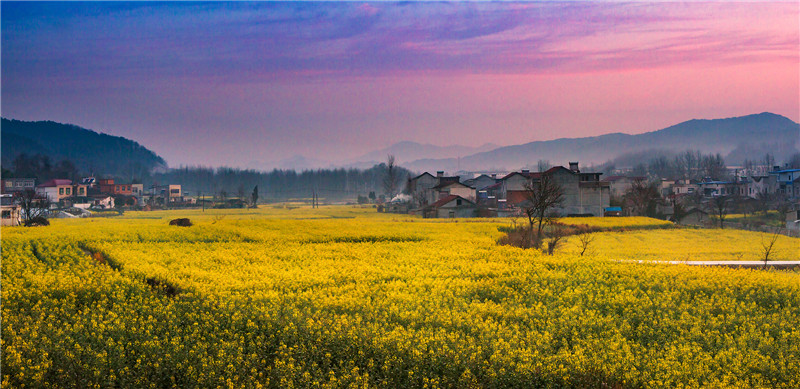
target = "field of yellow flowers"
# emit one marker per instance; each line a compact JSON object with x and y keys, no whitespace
{"x":346,"y":297}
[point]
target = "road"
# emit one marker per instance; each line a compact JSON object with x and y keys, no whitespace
{"x":751,"y":264}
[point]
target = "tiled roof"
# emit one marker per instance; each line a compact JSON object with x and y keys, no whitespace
{"x":56,"y":182}
{"x":495,"y":186}
{"x":446,"y":184}
{"x":446,"y":200}
{"x":537,"y":174}
{"x":419,"y":176}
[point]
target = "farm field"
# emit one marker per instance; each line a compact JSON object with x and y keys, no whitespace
{"x":346,"y":297}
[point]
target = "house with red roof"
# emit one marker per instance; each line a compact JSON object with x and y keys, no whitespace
{"x":425,"y":188}
{"x":58,"y":189}
{"x":450,"y":206}
{"x":455,"y":188}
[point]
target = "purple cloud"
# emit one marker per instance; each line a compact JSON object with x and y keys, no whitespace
{"x":241,"y":40}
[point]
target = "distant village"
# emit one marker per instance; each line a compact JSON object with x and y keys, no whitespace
{"x":65,"y":198}
{"x":690,"y":201}
{"x":468,"y":194}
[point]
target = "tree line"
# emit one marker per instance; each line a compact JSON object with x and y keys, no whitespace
{"x":278,"y":184}
{"x":689,"y":164}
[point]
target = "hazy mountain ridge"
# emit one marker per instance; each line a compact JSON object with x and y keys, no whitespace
{"x":90,"y":151}
{"x":735,"y":138}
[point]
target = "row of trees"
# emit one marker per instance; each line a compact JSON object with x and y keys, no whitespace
{"x":225,"y":182}
{"x":335,"y":184}
{"x":41,"y":167}
{"x":687,"y":165}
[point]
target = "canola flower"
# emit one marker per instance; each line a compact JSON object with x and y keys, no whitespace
{"x":690,"y":245}
{"x":345,"y":297}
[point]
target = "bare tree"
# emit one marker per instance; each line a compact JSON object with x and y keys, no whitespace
{"x":763,"y":201}
{"x":719,"y":208}
{"x":556,"y":234}
{"x":390,"y":177}
{"x":794,"y":161}
{"x":254,"y":197}
{"x":713,"y":166}
{"x":419,"y":198}
{"x":240,"y":192}
{"x":543,"y":165}
{"x":542,"y":195}
{"x":642,"y":198}
{"x":33,"y":207}
{"x":769,"y":160}
{"x":584,"y":240}
{"x":768,"y":245}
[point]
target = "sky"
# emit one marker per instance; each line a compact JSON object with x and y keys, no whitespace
{"x":249,"y":84}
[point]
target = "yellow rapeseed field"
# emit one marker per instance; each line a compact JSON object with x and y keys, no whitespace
{"x":346,"y":297}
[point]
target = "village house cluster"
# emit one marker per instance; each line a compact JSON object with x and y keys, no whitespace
{"x":81,"y":198}
{"x":585,"y":193}
{"x":488,"y":195}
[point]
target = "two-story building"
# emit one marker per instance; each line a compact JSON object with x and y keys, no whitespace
{"x":13,"y":185}
{"x":174,"y":194}
{"x":619,"y":185}
{"x":137,"y":190}
{"x":788,"y":182}
{"x":425,"y":188}
{"x":583,"y":193}
{"x":760,"y":185}
{"x":58,"y":189}
{"x":9,"y":211}
{"x":455,"y":188}
{"x":108,"y":186}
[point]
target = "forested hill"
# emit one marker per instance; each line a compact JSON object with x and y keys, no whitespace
{"x":90,"y":151}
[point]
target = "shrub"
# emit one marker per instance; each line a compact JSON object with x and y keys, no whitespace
{"x":36,"y":222}
{"x":182,"y":222}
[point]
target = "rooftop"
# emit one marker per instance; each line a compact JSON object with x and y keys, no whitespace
{"x":56,"y":182}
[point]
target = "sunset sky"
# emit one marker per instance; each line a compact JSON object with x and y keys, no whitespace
{"x":248,"y":84}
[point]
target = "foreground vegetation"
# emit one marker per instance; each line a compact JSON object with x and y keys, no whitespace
{"x":339,"y":297}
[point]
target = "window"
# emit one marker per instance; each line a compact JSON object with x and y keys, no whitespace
{"x":458,"y":201}
{"x":29,"y":184}
{"x":9,"y":184}
{"x":6,"y":214}
{"x":61,"y":191}
{"x":69,"y":190}
{"x":175,"y":191}
{"x":80,"y":190}
{"x":452,"y":214}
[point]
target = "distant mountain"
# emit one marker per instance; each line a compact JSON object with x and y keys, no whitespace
{"x":299,"y":163}
{"x":736,"y":139}
{"x":408,"y":151}
{"x":90,"y":151}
